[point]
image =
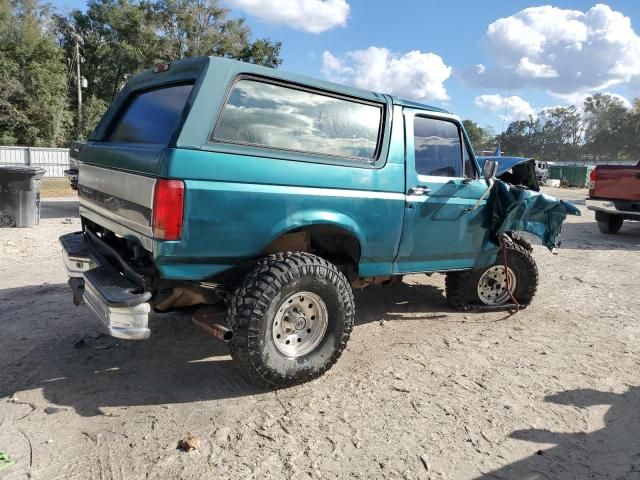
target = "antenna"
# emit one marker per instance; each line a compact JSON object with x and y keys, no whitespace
{"x":506,"y":107}
{"x":498,"y":152}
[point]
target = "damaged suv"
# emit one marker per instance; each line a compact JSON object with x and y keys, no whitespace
{"x":214,"y":181}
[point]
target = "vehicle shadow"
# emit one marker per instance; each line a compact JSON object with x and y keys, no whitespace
{"x":59,"y":208}
{"x":400,"y":301}
{"x":48,"y":343}
{"x":611,"y":452}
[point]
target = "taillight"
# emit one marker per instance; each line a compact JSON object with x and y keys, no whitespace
{"x":168,"y":209}
{"x":593,"y":176}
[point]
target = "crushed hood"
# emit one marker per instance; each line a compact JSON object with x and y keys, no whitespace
{"x":504,"y":163}
{"x":515,"y":170}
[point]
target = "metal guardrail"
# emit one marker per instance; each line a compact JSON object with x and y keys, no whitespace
{"x":54,"y":160}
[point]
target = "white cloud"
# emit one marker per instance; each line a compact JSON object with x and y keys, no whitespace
{"x":562,"y":51}
{"x":578,"y":98}
{"x":414,"y":75}
{"x":625,"y":101}
{"x":508,"y":108}
{"x":527,"y":68}
{"x":313,"y":16}
{"x":333,"y":67}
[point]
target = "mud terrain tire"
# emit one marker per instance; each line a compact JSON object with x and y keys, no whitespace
{"x":259,"y":302}
{"x":462,"y":287}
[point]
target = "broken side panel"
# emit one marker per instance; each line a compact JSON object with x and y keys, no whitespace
{"x":515,"y":208}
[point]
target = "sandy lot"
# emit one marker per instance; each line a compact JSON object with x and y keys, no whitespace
{"x":421,"y":392}
{"x":56,"y":187}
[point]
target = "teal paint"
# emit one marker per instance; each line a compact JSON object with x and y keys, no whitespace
{"x":440,"y":233}
{"x":240,"y":198}
{"x":517,"y":210}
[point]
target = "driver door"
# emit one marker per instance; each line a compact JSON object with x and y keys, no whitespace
{"x":440,"y":231}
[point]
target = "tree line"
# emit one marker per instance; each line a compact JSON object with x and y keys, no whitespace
{"x":604,"y":128}
{"x":115,"y":39}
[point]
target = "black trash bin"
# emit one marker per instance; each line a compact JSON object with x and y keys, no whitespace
{"x":20,"y":196}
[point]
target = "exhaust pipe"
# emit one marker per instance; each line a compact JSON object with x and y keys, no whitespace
{"x":205,"y":319}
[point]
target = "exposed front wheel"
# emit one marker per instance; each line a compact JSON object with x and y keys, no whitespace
{"x":494,"y":285}
{"x":610,"y":224}
{"x":291,"y":318}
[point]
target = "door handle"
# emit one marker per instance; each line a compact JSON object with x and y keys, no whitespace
{"x":419,"y":190}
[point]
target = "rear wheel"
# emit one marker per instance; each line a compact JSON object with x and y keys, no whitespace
{"x":488,"y":286}
{"x":609,"y":224}
{"x":291,"y":318}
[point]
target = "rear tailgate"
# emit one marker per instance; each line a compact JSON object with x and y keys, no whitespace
{"x":117,"y":200}
{"x":617,"y":182}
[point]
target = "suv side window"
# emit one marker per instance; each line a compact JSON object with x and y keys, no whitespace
{"x":271,"y":115}
{"x":438,"y":149}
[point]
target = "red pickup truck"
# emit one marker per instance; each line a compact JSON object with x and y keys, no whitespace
{"x":614,"y":194}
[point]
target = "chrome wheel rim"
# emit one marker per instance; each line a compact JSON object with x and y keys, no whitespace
{"x":492,"y":286}
{"x":299,"y":324}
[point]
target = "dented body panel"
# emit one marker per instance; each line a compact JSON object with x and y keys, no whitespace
{"x":516,"y":209}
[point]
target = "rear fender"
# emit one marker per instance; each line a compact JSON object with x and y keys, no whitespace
{"x":307,"y":218}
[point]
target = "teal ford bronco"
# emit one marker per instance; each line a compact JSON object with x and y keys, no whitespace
{"x":214,"y":181}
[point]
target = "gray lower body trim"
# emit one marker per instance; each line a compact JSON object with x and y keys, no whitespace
{"x":128,"y":186}
{"x":117,"y":226}
{"x":121,"y":197}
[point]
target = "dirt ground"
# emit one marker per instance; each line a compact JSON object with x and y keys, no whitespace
{"x":56,"y":187}
{"x":422,"y":391}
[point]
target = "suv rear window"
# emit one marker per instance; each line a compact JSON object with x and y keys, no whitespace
{"x":288,"y":118}
{"x":151,"y":116}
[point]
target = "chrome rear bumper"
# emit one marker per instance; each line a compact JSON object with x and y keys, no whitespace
{"x":119,"y":303}
{"x":609,"y":206}
{"x":130,"y":323}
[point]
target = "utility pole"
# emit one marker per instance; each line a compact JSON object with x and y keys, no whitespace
{"x":79,"y":85}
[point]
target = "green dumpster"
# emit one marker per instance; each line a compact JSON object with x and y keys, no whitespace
{"x":571,"y":175}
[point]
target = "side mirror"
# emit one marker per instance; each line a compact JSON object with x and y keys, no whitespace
{"x":490,"y":169}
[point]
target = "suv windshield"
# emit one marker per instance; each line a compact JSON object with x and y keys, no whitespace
{"x":151,"y":116}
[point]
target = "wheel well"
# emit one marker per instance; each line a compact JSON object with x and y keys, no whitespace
{"x":336,"y":244}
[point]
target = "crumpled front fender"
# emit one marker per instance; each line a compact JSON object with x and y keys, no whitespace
{"x":518,"y":209}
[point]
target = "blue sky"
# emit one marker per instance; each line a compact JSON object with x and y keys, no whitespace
{"x":468,"y":56}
